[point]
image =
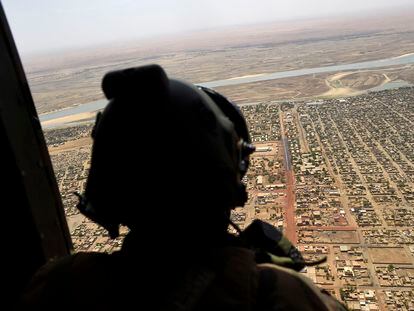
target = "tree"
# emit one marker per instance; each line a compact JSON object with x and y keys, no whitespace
{"x":390,"y":267}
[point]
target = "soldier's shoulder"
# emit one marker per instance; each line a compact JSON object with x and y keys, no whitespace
{"x":62,"y":278}
{"x":290,"y":290}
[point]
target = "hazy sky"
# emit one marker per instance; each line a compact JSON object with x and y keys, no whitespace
{"x":41,"y":25}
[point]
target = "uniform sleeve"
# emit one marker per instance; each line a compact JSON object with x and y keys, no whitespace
{"x":284,"y":289}
{"x":42,"y":289}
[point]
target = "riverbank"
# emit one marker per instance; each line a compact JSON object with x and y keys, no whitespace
{"x":82,"y":112}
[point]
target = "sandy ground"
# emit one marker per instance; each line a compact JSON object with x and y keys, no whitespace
{"x":336,"y":91}
{"x":74,"y":221}
{"x":407,"y":54}
{"x":386,"y":255}
{"x":71,"y":145}
{"x":69,"y":119}
{"x":247,"y":76}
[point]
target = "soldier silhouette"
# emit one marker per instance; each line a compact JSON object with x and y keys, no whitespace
{"x":168,"y":160}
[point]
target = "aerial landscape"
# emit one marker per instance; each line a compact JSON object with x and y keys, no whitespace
{"x":330,"y":107}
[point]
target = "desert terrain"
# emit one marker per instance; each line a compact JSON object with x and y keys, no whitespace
{"x":72,"y":78}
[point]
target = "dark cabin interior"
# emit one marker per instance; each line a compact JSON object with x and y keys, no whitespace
{"x":34,"y":226}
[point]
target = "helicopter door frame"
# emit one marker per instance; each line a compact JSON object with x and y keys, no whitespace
{"x":34,"y":222}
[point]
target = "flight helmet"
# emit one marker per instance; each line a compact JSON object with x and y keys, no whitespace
{"x":162,"y":141}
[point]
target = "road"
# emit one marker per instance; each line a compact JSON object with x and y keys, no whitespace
{"x":291,"y":233}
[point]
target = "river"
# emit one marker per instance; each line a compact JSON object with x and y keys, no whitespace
{"x":394,"y":61}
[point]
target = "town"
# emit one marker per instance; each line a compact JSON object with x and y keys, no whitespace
{"x":335,"y":175}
